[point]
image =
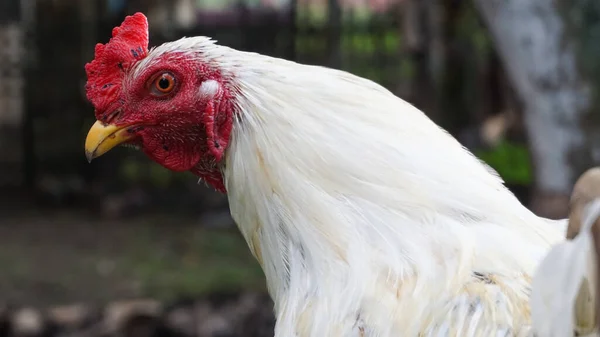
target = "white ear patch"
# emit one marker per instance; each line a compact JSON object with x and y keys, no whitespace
{"x":210,"y":88}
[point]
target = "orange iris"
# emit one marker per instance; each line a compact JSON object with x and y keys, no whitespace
{"x":164,"y":83}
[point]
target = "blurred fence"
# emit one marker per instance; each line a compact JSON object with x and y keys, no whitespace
{"x":446,"y":66}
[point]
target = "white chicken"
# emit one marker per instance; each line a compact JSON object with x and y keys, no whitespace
{"x":367,"y":218}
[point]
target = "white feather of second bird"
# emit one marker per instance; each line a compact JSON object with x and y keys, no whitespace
{"x":557,"y":308}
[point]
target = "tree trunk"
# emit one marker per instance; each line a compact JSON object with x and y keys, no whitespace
{"x":541,"y":64}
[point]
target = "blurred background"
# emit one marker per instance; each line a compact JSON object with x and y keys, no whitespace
{"x":122,"y":246}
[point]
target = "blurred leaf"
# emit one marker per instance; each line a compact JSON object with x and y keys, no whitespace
{"x":511,"y":161}
{"x":392,"y":41}
{"x":363,"y":43}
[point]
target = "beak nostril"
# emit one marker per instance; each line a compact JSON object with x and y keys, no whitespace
{"x":134,"y":129}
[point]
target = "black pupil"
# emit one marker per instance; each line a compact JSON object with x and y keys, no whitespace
{"x":164,"y":83}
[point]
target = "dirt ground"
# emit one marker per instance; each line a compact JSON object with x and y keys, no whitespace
{"x":62,"y":257}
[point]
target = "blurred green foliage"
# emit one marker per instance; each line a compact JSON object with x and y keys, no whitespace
{"x":162,"y":256}
{"x":511,"y":161}
{"x":200,"y":261}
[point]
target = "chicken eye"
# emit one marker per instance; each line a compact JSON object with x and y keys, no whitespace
{"x":164,"y":83}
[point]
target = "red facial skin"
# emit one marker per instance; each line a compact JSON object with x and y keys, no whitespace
{"x":180,"y":129}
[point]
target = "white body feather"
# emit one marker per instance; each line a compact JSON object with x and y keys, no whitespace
{"x":368,"y":219}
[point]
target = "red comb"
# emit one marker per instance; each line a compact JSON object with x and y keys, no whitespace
{"x":129,"y":43}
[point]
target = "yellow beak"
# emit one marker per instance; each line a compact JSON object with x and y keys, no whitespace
{"x":102,"y":138}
